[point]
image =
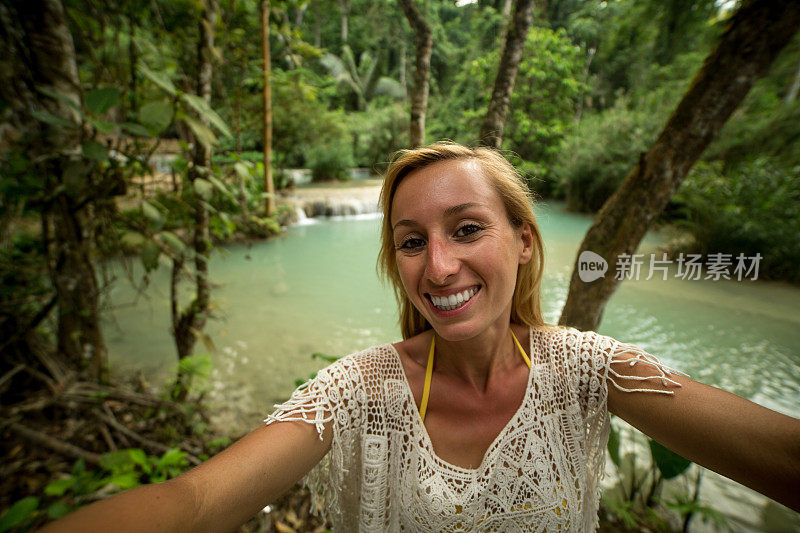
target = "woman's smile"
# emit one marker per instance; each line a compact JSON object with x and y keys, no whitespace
{"x":455,"y":301}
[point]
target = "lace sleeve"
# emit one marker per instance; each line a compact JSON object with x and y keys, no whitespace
{"x":606,"y":362}
{"x":329,"y":397}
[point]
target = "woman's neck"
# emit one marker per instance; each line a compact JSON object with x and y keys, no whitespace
{"x":478,"y":360}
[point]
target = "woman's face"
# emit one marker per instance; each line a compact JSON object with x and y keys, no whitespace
{"x":457,"y":252}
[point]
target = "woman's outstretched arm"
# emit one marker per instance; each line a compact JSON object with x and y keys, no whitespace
{"x":730,"y":435}
{"x":220,"y":494}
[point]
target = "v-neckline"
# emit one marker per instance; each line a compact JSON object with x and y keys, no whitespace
{"x":420,"y":425}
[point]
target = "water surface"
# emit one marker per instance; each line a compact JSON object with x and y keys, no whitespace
{"x":316,"y":290}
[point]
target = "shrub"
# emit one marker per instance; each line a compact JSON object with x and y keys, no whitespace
{"x":595,"y":159}
{"x":753,"y":209}
{"x":330,"y":160}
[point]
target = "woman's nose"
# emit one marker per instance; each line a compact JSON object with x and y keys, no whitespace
{"x":441,"y":261}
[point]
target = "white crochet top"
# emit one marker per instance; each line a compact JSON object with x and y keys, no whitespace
{"x":541,"y":473}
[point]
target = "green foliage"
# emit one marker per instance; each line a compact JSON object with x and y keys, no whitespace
{"x":118,"y":471}
{"x":597,"y":157}
{"x":749,"y":210}
{"x":330,"y":160}
{"x":20,"y":515}
{"x":635,"y":501}
{"x":378,"y":133}
{"x":669,"y":463}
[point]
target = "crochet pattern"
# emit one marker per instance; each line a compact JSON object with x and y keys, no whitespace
{"x":541,"y":473}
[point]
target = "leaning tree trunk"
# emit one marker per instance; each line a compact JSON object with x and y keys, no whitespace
{"x":189,"y":325}
{"x":419,"y":97}
{"x":753,"y":38}
{"x":493,"y":122}
{"x":51,"y":62}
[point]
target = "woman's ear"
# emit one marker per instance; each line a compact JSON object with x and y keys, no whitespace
{"x":526,"y":238}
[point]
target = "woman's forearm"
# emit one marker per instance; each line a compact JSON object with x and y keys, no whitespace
{"x":167,"y":506}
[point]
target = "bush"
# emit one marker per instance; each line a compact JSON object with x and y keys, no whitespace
{"x":330,"y":160}
{"x":595,"y":159}
{"x":378,"y":133}
{"x":752,"y":209}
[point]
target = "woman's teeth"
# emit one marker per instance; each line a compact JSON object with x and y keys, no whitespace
{"x":448,"y":303}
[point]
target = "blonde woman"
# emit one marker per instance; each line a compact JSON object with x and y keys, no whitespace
{"x":483,"y":418}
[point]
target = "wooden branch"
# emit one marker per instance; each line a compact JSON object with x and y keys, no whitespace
{"x":54,"y":444}
{"x":107,"y":437}
{"x":153,"y":445}
{"x":10,"y":374}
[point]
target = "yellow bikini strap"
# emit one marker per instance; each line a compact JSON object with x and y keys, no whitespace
{"x":426,"y":390}
{"x":524,"y":355}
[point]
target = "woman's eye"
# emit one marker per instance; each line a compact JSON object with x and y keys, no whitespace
{"x":467,"y":230}
{"x":411,"y":244}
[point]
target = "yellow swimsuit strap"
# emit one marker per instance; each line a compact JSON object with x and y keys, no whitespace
{"x":426,"y":390}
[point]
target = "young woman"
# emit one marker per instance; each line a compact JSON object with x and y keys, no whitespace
{"x":483,"y":418}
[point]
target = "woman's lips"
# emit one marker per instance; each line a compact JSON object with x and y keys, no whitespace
{"x":453,"y":303}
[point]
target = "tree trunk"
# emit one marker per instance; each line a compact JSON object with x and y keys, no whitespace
{"x":422,"y":66}
{"x":505,"y":13}
{"x":269,"y":186}
{"x":344,"y":9}
{"x":584,"y":78}
{"x":192,"y":320}
{"x":791,"y":94}
{"x":50,"y":58}
{"x":492,"y":128}
{"x":754,"y":36}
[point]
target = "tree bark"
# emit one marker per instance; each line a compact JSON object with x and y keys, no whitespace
{"x":494,"y":121}
{"x":754,"y":37}
{"x":794,"y":88}
{"x":50,"y":64}
{"x":419,"y":97}
{"x":192,"y":320}
{"x":344,"y":9}
{"x":269,"y":185}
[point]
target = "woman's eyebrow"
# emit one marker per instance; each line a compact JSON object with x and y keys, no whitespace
{"x":450,"y":211}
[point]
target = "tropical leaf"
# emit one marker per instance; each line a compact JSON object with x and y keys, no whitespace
{"x":53,"y":120}
{"x":95,"y":151}
{"x":18,"y":513}
{"x":55,"y":95}
{"x":203,"y":188}
{"x":201,"y":132}
{"x":135,"y":129}
{"x":669,"y":463}
{"x":613,"y":444}
{"x":156,"y":116}
{"x":158,"y":78}
{"x":100,"y":100}
{"x":205,"y":111}
{"x":150,"y":253}
{"x":173,"y":241}
{"x":102,"y":126}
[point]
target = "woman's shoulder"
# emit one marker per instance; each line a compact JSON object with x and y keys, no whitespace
{"x":568,"y":336}
{"x":368,"y":363}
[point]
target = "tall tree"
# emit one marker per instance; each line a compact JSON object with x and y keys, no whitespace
{"x":753,"y":38}
{"x":344,"y":10}
{"x":188,"y":324}
{"x":269,"y":186}
{"x":422,"y":65}
{"x":66,"y":222}
{"x":493,"y":122}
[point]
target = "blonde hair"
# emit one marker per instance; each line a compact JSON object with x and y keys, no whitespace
{"x":517,"y":199}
